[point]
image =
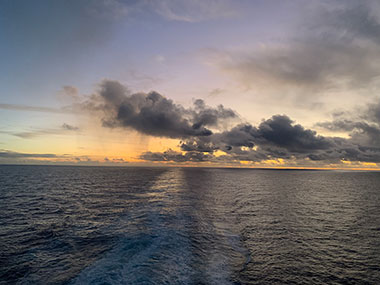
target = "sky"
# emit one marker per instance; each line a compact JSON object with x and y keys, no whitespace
{"x":227,"y":83}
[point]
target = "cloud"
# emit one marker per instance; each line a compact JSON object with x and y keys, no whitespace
{"x":13,"y":157}
{"x":159,"y":58}
{"x":216,"y":92}
{"x":69,"y":92}
{"x":363,"y":125}
{"x":114,"y":160}
{"x":172,"y":10}
{"x":319,"y":66}
{"x":20,"y":107}
{"x":110,"y":9}
{"x":194,"y":11}
{"x":142,"y":78}
{"x":174,"y":156}
{"x":357,"y":19}
{"x":276,"y":138}
{"x":36,"y":133}
{"x":334,"y":48}
{"x":154,"y":114}
{"x":278,"y":131}
{"x":218,"y":135}
{"x":69,"y":127}
{"x":12,"y":154}
{"x":64,"y":129}
{"x":281,"y":131}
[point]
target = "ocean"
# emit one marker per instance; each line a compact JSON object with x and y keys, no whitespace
{"x":110,"y":225}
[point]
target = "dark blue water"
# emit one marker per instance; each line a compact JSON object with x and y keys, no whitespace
{"x":99,"y":225}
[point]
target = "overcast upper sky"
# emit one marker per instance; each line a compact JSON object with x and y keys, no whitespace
{"x":261,"y":83}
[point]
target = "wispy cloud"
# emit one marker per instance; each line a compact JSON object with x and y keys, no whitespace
{"x":64,"y":129}
{"x":173,"y":10}
{"x":12,"y":154}
{"x":20,"y":107}
{"x":13,"y":157}
{"x":196,"y":10}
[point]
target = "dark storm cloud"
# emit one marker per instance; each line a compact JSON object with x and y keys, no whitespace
{"x":349,"y":153}
{"x":276,"y":138}
{"x":154,"y":114}
{"x":282,"y":132}
{"x":206,"y":116}
{"x":204,"y":135}
{"x":276,"y":132}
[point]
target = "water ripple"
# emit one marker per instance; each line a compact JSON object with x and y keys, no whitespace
{"x":99,"y":225}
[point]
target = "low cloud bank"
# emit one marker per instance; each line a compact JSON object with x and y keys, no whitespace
{"x":217,"y":134}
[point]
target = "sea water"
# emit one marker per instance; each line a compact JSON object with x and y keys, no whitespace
{"x":111,"y":225}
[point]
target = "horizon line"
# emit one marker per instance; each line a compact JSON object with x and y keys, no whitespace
{"x":192,"y":166}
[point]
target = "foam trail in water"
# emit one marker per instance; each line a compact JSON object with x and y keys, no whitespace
{"x":168,"y":246}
